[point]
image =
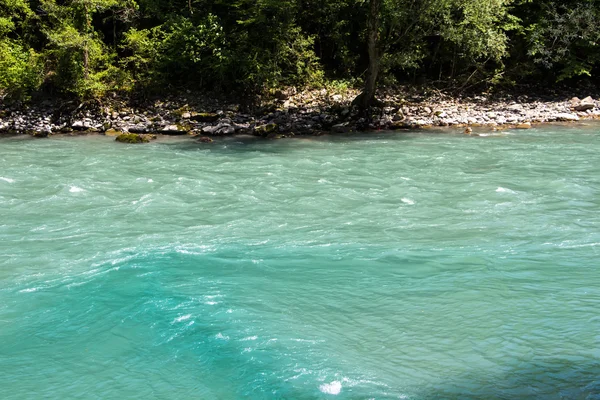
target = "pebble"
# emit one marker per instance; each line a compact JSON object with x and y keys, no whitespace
{"x":312,"y":111}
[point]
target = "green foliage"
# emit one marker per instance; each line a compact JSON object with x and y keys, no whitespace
{"x":20,"y":70}
{"x":20,"y":66}
{"x":89,"y":48}
{"x":456,"y":34}
{"x":567,"y":38}
{"x":79,"y":61}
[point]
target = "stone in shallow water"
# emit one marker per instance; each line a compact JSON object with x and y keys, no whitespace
{"x":205,"y":139}
{"x":112,"y":132}
{"x":264,"y":130}
{"x":134,"y":138}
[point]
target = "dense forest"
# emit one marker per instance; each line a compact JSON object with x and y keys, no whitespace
{"x":91,"y":48}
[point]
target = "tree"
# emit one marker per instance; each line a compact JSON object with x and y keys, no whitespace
{"x":20,"y":66}
{"x":366,"y":98}
{"x":401,"y":33}
{"x":566,"y":37}
{"x":79,"y":59}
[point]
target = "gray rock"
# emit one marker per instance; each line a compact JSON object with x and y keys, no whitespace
{"x":219,"y":130}
{"x":574,"y":102}
{"x":585,"y":104}
{"x":173,"y":130}
{"x":242,"y":128}
{"x":81,"y":125}
{"x":225,"y":129}
{"x":139,"y":128}
{"x":565,"y":117}
{"x":399,"y":116}
{"x":205,"y":117}
{"x":280,"y":95}
{"x":209,"y":130}
{"x":341,"y":128}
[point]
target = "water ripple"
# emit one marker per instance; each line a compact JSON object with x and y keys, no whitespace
{"x":382,"y":266}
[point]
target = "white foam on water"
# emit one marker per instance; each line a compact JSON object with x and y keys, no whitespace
{"x":307,"y":341}
{"x":405,"y":179}
{"x":504,"y":190}
{"x":30,"y":290}
{"x":142,"y":199}
{"x":221,"y":337}
{"x":7,"y":179}
{"x":334,"y":388}
{"x":407,"y":201}
{"x":182,"y":318}
{"x":249,"y":338}
{"x":75,"y":189}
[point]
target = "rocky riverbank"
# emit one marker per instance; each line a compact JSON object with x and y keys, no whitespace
{"x":289,"y":113}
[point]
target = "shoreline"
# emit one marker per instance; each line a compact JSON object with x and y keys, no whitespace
{"x":288,"y":114}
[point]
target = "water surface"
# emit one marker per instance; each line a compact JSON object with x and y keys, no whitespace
{"x":383,"y":266}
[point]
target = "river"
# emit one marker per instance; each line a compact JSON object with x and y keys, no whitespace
{"x":369,"y":266}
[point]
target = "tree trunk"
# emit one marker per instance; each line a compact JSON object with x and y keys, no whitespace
{"x":86,"y":62}
{"x":86,"y":52}
{"x":367,"y":97}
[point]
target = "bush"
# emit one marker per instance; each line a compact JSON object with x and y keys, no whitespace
{"x":20,"y":70}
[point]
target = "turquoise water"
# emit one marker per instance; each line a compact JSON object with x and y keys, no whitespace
{"x":380,"y":266}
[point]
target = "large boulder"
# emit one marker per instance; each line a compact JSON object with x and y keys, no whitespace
{"x":565,"y":117}
{"x":264,"y":130}
{"x":138,"y":128}
{"x":584,"y":105}
{"x":219,"y":130}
